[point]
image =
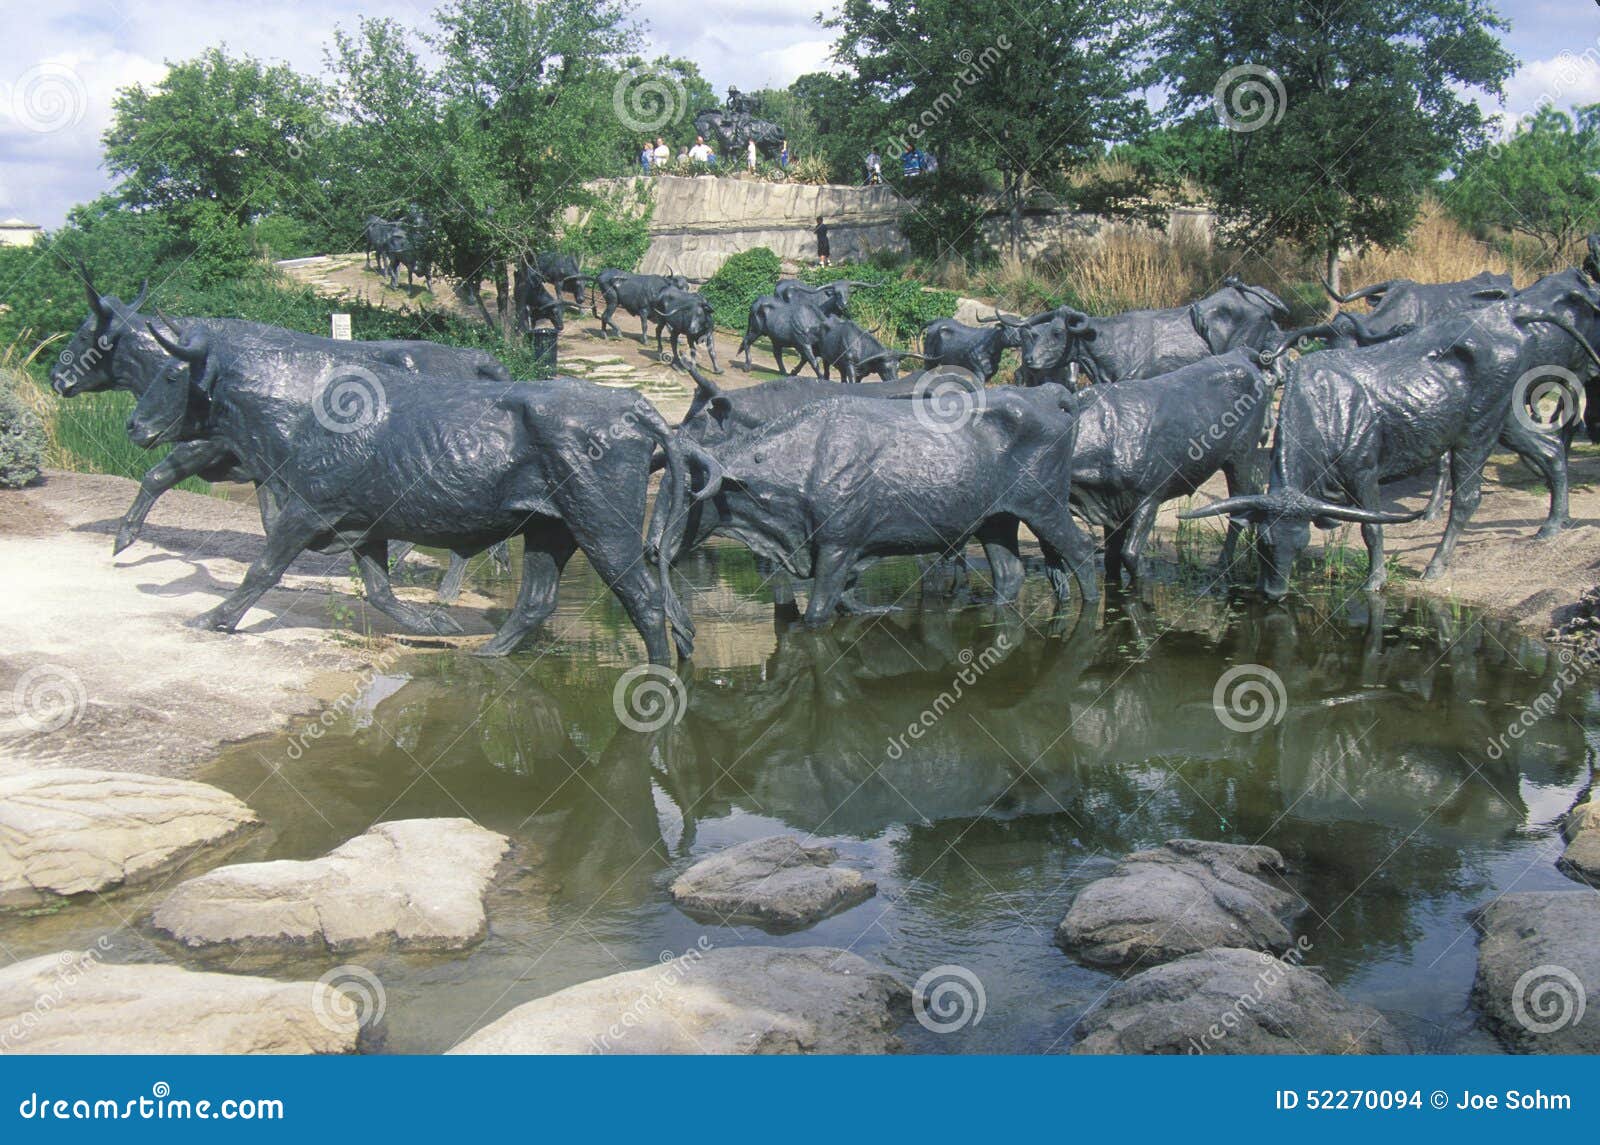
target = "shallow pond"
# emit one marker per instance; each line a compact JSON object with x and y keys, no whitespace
{"x":1045,"y":749}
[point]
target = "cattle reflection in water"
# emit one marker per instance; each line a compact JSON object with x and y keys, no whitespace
{"x":1040,"y":754}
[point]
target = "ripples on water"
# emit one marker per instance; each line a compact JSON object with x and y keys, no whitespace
{"x":1071,"y":745}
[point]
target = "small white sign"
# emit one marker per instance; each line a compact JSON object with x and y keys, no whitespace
{"x":341,"y":327}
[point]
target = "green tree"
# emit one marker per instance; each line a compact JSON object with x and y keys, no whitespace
{"x":1023,"y":99}
{"x":1341,"y":112}
{"x":231,"y":132}
{"x":1543,"y":182}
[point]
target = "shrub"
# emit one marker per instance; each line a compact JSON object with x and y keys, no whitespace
{"x":615,"y":231}
{"x":22,"y":435}
{"x":739,"y":282}
{"x":894,"y":308}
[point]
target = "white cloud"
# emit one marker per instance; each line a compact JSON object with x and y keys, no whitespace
{"x":1567,"y":79}
{"x":104,"y":45}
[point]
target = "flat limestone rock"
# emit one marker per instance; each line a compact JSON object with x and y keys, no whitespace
{"x":740,"y":1000}
{"x":72,"y":1003}
{"x":71,"y":831}
{"x":1233,"y":1001}
{"x":417,"y":884}
{"x":778,"y":883}
{"x":1182,"y":897}
{"x":1538,"y":983}
{"x":1582,"y":856}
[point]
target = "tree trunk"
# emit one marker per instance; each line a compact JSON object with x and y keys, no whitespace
{"x":1333,"y":267}
{"x":504,"y":302}
{"x":1016,"y":217}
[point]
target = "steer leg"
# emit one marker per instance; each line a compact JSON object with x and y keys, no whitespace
{"x":372,"y":558}
{"x":1435,"y":508}
{"x":606,"y":325}
{"x":711,"y":352}
{"x":1546,"y":453}
{"x":1138,"y":532}
{"x":292,"y":531}
{"x":831,"y":566}
{"x":1466,"y":489}
{"x":185,"y":460}
{"x":1068,"y":555}
{"x":547,"y":546}
{"x":1116,"y":544}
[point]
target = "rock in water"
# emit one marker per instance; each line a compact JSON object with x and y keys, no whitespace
{"x":742,"y":1000}
{"x":415,"y":883}
{"x":1582,"y":856}
{"x":72,"y":1003}
{"x":1538,"y":981}
{"x":71,"y":831}
{"x":1232,"y":1001}
{"x":778,"y":883}
{"x":1182,"y":897}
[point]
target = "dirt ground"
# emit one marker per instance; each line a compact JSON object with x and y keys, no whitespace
{"x":583,"y":352}
{"x":97,"y":644}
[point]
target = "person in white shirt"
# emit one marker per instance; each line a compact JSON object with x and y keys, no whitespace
{"x":750,"y":154}
{"x":663,"y":152}
{"x":700,"y":153}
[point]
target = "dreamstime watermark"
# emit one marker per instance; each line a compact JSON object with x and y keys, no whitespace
{"x":972,"y":670}
{"x":347,"y":992}
{"x":648,"y":697}
{"x":75,"y":367}
{"x":1272,"y":971}
{"x":48,"y":697}
{"x":647,"y":99}
{"x":1548,"y":998}
{"x":1220,"y":431}
{"x":631,"y":424}
{"x":1249,"y":97}
{"x":949,"y":998}
{"x":47,"y":98}
{"x":71,"y":967}
{"x":674,"y":969}
{"x":1535,"y":390}
{"x":1248,"y":697}
{"x":946,"y":398}
{"x":975,"y":67}
{"x":330,"y":715}
{"x":1573,"y":666}
{"x":347,"y":398}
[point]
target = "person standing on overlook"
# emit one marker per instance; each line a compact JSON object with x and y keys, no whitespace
{"x":822,"y":242}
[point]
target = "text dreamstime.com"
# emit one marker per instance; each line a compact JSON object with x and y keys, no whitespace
{"x":975,"y":667}
{"x":158,"y":1105}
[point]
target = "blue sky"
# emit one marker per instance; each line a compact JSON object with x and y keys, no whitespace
{"x":61,"y":62}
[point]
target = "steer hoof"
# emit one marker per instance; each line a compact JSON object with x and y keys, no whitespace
{"x":438,"y":624}
{"x":1551,"y":529}
{"x":497,"y":648}
{"x":213,"y":621}
{"x":1433,"y":572}
{"x":125,"y":537}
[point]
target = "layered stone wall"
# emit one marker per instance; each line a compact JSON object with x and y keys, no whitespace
{"x":699,"y":222}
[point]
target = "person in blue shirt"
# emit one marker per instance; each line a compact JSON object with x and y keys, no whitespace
{"x":911,"y":162}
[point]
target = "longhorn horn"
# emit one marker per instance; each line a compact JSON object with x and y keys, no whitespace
{"x":139,"y":299}
{"x":710,"y":388}
{"x":1245,"y":504}
{"x":1561,"y":323}
{"x":190,"y":348}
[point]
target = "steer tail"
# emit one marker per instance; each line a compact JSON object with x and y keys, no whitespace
{"x":667,"y":521}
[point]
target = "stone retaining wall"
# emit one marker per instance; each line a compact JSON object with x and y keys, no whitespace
{"x":699,"y":222}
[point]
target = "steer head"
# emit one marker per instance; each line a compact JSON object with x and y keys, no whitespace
{"x":1047,"y":339}
{"x":85,"y":365}
{"x":1283,"y":520}
{"x":177,"y":404}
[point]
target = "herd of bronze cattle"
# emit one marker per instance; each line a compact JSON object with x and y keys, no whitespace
{"x":353,"y":445}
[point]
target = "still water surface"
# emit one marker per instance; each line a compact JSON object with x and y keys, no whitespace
{"x":1056,"y":748}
